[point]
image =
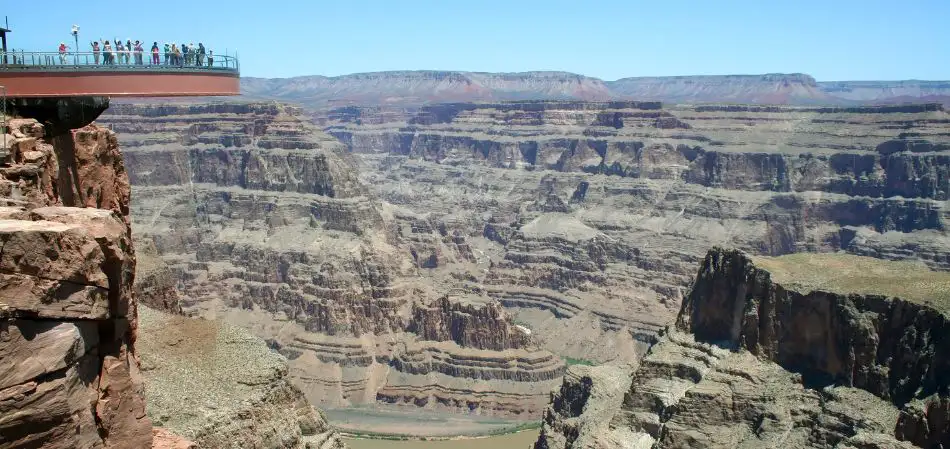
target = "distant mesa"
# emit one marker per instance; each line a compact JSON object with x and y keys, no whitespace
{"x":416,"y":88}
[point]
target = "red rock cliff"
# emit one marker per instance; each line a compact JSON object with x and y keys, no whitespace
{"x":69,"y":377}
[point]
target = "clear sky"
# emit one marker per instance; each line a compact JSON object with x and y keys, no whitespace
{"x":610,"y":39}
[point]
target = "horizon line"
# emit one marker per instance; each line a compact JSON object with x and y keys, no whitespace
{"x":568,"y":73}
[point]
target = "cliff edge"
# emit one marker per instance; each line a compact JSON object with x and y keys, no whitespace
{"x":804,"y":350}
{"x":68,"y":370}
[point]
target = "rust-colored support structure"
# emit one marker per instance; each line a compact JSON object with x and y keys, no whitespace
{"x":40,"y":84}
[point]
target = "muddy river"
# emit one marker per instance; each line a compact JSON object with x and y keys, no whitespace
{"x":520,"y":440}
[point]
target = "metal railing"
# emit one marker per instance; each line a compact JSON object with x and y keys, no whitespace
{"x":121,"y":61}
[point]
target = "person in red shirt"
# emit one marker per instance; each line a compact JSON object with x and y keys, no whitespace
{"x":62,"y":52}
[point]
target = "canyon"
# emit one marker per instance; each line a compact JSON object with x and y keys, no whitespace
{"x":458,"y":256}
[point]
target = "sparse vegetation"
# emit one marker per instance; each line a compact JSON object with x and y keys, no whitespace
{"x":845,"y":273}
{"x":572,"y":361}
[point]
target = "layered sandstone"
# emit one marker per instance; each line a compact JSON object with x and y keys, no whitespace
{"x":583,"y":220}
{"x":826,"y":350}
{"x":587,"y":219}
{"x":261,"y":220}
{"x":70,"y":377}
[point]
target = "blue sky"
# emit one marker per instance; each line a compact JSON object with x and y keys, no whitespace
{"x":609,"y":39}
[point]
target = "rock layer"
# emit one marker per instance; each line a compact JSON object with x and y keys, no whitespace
{"x":782,"y":351}
{"x":586,"y":219}
{"x":68,"y":363}
{"x":261,"y":220}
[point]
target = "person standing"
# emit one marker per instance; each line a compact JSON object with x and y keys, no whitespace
{"x":155,"y":53}
{"x":95,"y":52}
{"x":62,"y":53}
{"x":119,"y":52}
{"x":168,"y":54}
{"x":107,"y":54}
{"x":201,"y":55}
{"x":210,"y":59}
{"x":176,"y":55}
{"x":138,"y":53}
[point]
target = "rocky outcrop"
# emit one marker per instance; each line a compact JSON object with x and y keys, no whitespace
{"x":470,"y":322}
{"x":579,"y":413}
{"x":155,"y":284}
{"x":803,"y":351}
{"x":219,"y":386}
{"x":869,"y":342}
{"x":68,"y":358}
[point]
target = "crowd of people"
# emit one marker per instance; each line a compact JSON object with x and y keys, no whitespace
{"x":133,"y":53}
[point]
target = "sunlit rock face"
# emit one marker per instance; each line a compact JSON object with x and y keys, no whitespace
{"x":70,"y":376}
{"x":260,"y":219}
{"x":371,"y":255}
{"x":802,"y":351}
{"x":591,"y":216}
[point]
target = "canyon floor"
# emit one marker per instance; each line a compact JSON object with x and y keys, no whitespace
{"x":520,"y":440}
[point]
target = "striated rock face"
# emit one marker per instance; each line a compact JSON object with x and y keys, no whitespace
{"x":468,"y":323}
{"x":588,"y":218}
{"x":798,"y":351}
{"x":583,"y":220}
{"x":68,"y":319}
{"x":579,"y":413}
{"x":221,"y":386}
{"x":869,"y":341}
{"x":259,"y":219}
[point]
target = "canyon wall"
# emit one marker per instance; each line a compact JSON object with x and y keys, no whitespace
{"x":824,"y":350}
{"x":592,"y":216}
{"x":71,"y":339}
{"x":261,"y":220}
{"x":68,"y":359}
